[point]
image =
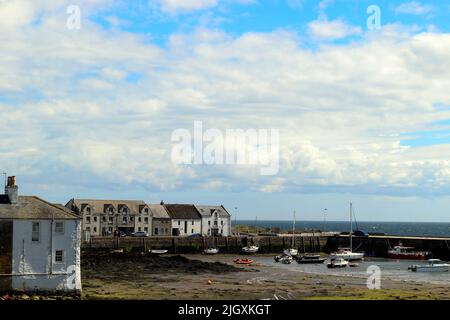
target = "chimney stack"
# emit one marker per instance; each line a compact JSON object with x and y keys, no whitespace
{"x":12,"y":190}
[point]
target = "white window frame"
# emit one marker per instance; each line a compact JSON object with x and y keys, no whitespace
{"x":61,"y":231}
{"x":62,"y":256}
{"x":38,"y":232}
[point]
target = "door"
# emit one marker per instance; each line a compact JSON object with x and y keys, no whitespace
{"x":185,"y":227}
{"x":6,"y":233}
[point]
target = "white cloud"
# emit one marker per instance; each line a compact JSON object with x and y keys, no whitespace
{"x":330,"y":30}
{"x":413,"y":7}
{"x":172,"y":6}
{"x":340,"y":109}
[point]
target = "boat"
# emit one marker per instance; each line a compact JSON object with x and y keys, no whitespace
{"x":337,"y":263}
{"x":250,"y":249}
{"x":158,"y":251}
{"x":434,"y":265}
{"x":286,"y":259}
{"x":310,"y":259}
{"x":243,"y":261}
{"x":401,"y":252}
{"x":211,"y":251}
{"x":347,"y":253}
{"x":293,"y":252}
{"x":353,"y":265}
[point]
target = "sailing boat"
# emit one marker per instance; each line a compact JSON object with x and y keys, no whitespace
{"x":292,"y":251}
{"x":348,"y":254}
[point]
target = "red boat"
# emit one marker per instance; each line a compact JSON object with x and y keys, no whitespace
{"x":243,"y":261}
{"x":401,"y":252}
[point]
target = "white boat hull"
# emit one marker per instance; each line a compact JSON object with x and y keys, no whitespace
{"x":251,"y":249}
{"x":349,"y":256}
{"x":211,"y":251}
{"x":291,"y":252}
{"x":431,"y":269}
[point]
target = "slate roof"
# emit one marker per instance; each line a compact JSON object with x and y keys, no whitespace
{"x":101,"y":206}
{"x":31,"y":207}
{"x":205,"y":211}
{"x":158,"y":211}
{"x":182,"y":211}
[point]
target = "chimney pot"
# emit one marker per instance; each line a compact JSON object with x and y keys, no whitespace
{"x":12,"y":190}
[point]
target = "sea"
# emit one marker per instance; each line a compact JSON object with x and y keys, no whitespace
{"x":429,"y":229}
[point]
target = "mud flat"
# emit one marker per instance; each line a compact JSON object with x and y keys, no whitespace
{"x":135,"y":276}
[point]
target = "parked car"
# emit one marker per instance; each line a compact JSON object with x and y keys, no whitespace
{"x":360,"y":233}
{"x":194,"y":235}
{"x":140,"y":234}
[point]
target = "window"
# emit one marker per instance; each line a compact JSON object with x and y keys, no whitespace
{"x":215,"y":223}
{"x":88,"y":210}
{"x":192,"y":230}
{"x":146,"y":210}
{"x":95,"y":219}
{"x":125,"y":211}
{"x":192,"y":222}
{"x":110,"y":219}
{"x":59,"y":256}
{"x":35,"y":233}
{"x":209,"y":222}
{"x":95,"y":229}
{"x":124,"y":220}
{"x":59,"y":227}
{"x":110,"y":229}
{"x":139,"y":229}
{"x":146,"y":229}
{"x":104,"y":219}
{"x":146,"y":220}
{"x":139,"y":219}
{"x":88,"y":229}
{"x":156,"y":231}
{"x":131,"y":219}
{"x":88,"y":219}
{"x":111,"y":210}
{"x":179,"y":222}
{"x":221,"y":222}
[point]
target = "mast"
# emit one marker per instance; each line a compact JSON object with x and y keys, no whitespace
{"x":293,"y":231}
{"x":351,"y":227}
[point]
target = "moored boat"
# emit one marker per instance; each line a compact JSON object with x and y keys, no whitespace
{"x":243,"y":261}
{"x":158,"y":251}
{"x":211,"y":251}
{"x":250,"y":249}
{"x":310,"y":259}
{"x":347,"y":254}
{"x":286,"y":259}
{"x":434,"y":265}
{"x":337,"y":263}
{"x":401,"y":252}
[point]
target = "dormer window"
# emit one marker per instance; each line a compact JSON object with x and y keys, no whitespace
{"x":111,"y":210}
{"x":125,"y":211}
{"x":146,"y":210}
{"x":88,"y":210}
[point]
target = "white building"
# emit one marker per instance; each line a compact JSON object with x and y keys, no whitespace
{"x":39,"y":244}
{"x":185,"y":219}
{"x":215,"y":220}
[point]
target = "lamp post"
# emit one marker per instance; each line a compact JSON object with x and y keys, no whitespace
{"x":324,"y":219}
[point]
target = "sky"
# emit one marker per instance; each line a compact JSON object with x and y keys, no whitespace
{"x":92,"y":93}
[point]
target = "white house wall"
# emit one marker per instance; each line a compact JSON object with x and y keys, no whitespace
{"x":196,"y":227}
{"x":33,"y":262}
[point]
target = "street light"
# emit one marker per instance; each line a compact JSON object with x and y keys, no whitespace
{"x":324,"y":219}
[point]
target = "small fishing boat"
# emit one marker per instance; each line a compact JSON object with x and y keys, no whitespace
{"x":158,"y":251}
{"x":286,"y":259}
{"x":337,"y":263}
{"x":292,"y":251}
{"x":353,"y":265}
{"x":250,"y":249}
{"x":347,"y":253}
{"x":211,"y":251}
{"x":401,"y":252}
{"x":434,"y":265}
{"x":243,"y":261}
{"x":310,"y":258}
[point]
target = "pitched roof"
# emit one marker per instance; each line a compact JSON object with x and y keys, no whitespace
{"x":206,"y":211}
{"x":30,"y":207}
{"x":182,"y":211}
{"x":159,"y":211}
{"x":100,"y":206}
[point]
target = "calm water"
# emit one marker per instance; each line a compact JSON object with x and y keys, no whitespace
{"x":390,"y":269}
{"x":436,"y":229}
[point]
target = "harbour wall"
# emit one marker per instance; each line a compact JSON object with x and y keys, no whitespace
{"x":374,"y":246}
{"x":267,"y":244}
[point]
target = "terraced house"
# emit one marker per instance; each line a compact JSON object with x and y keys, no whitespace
{"x":111,"y":217}
{"x":216,"y":221}
{"x":185,"y":219}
